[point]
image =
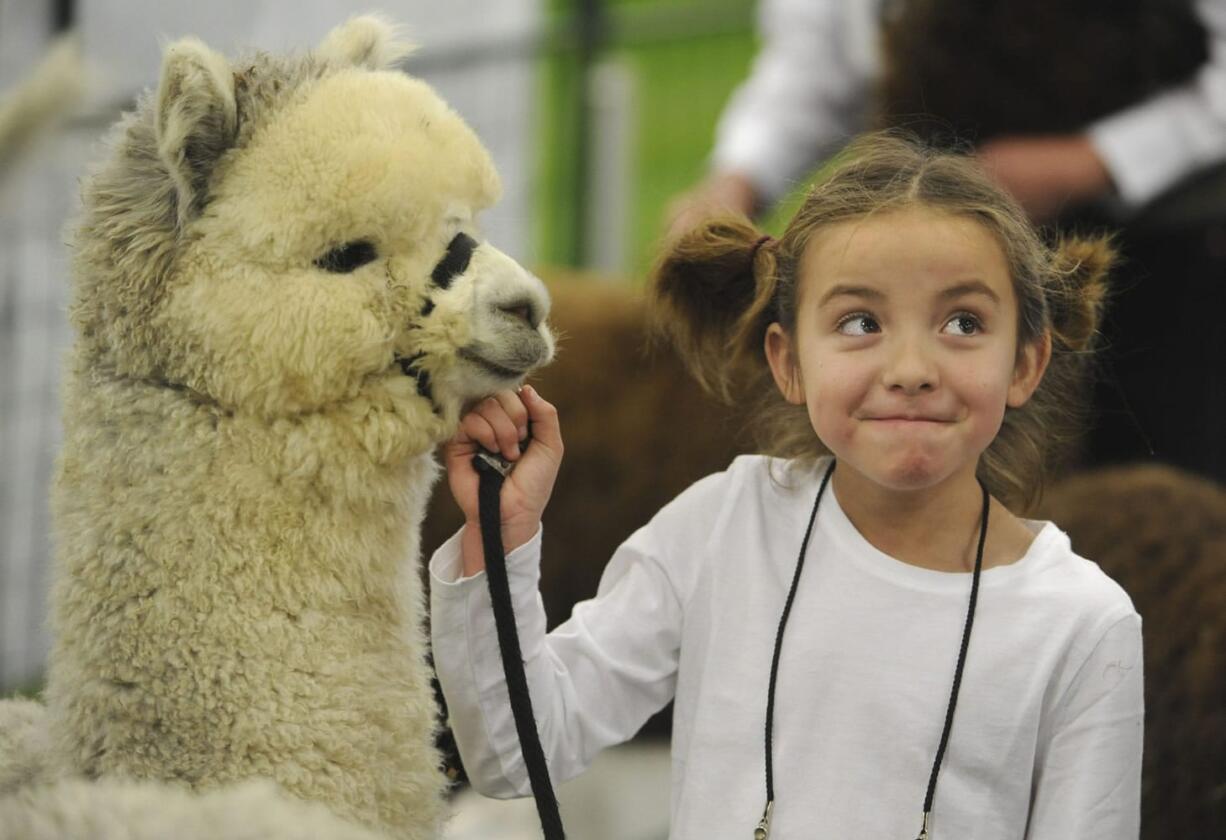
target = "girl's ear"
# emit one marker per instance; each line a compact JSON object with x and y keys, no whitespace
{"x":783,"y":365}
{"x":1028,"y":370}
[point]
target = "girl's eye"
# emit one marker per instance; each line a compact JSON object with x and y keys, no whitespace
{"x":349,"y":257}
{"x":963,"y":323}
{"x":859,"y":324}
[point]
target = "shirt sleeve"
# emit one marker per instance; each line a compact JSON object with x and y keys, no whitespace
{"x":1088,"y":770}
{"x":594,"y":680}
{"x":1153,"y":145}
{"x":806,"y":95}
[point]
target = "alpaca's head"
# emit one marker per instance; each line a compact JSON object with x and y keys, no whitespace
{"x":288,"y":235}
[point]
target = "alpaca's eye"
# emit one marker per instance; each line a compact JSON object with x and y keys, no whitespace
{"x":348,"y":257}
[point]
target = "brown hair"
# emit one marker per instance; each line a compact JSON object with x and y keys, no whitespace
{"x":717,"y":288}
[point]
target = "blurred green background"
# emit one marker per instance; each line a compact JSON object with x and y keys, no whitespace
{"x":680,"y":60}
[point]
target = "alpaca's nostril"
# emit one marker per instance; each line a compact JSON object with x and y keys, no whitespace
{"x":524,"y":311}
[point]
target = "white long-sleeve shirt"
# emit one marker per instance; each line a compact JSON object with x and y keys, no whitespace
{"x":1046,"y":740}
{"x":810,"y":89}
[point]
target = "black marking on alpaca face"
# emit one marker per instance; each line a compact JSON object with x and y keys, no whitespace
{"x":409,"y":367}
{"x":455,"y":261}
{"x":347,"y":258}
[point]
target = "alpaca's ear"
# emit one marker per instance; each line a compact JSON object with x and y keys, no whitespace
{"x":367,"y":41}
{"x":197,"y":119}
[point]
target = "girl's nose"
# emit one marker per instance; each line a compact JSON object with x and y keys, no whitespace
{"x":909,"y":369}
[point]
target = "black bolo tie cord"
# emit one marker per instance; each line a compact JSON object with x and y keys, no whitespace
{"x":491,"y":477}
{"x":763,"y":829}
{"x":783,"y":620}
{"x":966,"y":640}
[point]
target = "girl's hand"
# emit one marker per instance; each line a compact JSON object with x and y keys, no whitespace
{"x":498,"y":424}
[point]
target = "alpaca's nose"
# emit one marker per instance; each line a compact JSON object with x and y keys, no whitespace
{"x":524,"y":309}
{"x":508,"y":292}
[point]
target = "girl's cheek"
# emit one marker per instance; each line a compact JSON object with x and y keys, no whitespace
{"x":841,"y":374}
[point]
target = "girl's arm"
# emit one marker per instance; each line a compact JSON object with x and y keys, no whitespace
{"x":1087,"y":780}
{"x":596,"y":678}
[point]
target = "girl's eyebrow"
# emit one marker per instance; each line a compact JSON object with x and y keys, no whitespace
{"x":842,"y":289}
{"x":970,"y":287}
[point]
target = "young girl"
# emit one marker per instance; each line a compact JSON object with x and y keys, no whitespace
{"x":916,"y":351}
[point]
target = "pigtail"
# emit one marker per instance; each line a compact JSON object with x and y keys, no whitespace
{"x":1078,"y":293}
{"x":1044,"y":436}
{"x":711,"y":296}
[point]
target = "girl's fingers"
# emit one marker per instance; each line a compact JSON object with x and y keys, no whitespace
{"x":514,"y":407}
{"x":479,"y":430}
{"x":500,"y":423}
{"x":506,"y":435}
{"x":544,"y":417}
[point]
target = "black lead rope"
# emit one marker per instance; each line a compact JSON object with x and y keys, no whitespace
{"x":492,"y":471}
{"x":762,"y":830}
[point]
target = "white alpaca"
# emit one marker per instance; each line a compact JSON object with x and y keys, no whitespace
{"x":282,"y":306}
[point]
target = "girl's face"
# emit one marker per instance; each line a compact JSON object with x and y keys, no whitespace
{"x":905,"y":348}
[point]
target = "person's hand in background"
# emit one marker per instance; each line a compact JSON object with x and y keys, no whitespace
{"x":1046,"y":174}
{"x":721,"y":193}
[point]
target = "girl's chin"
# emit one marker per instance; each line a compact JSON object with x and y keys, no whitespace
{"x":908,"y":473}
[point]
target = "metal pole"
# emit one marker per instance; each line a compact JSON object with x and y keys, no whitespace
{"x":62,"y":15}
{"x":590,"y":26}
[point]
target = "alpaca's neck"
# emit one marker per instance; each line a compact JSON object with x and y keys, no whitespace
{"x":262,"y":575}
{"x":305,"y":507}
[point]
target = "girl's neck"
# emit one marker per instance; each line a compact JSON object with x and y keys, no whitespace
{"x":934,"y":528}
